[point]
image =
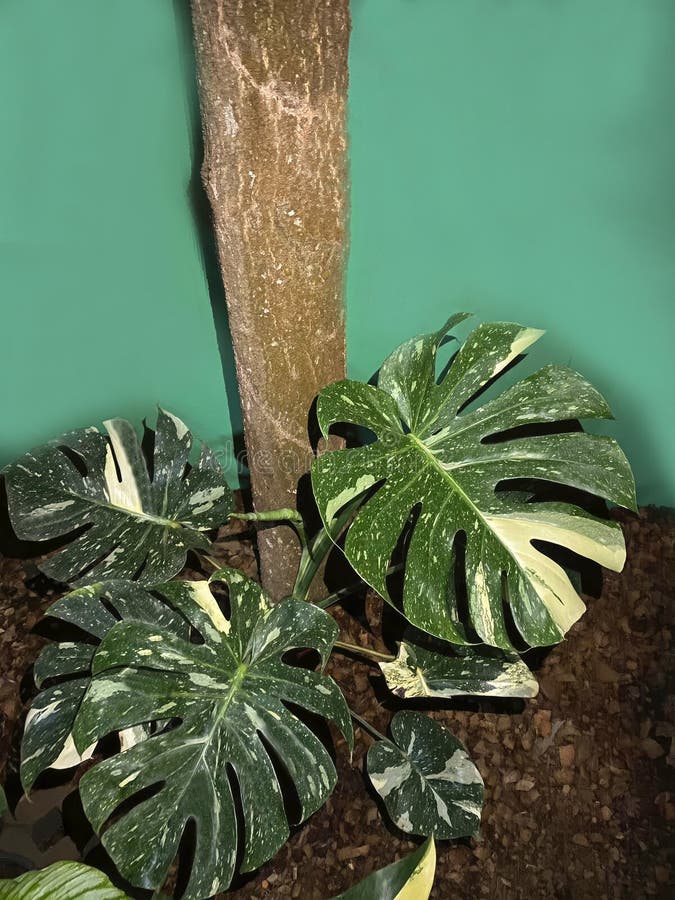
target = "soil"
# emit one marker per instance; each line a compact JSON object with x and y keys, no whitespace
{"x":579,"y":793}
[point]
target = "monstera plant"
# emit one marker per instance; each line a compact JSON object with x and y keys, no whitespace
{"x":192,"y":696}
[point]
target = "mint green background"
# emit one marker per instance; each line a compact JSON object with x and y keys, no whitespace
{"x":512,"y":157}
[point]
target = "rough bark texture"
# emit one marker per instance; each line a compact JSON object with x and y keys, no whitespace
{"x":273,"y":85}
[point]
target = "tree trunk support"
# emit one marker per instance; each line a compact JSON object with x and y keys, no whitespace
{"x":273,"y":85}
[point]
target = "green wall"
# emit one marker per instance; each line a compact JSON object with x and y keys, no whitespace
{"x":105,"y":307}
{"x":512,"y":157}
{"x":517,"y":158}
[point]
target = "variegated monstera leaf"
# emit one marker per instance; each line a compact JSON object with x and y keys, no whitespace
{"x":446,"y":464}
{"x":63,"y":670}
{"x":222,"y":697}
{"x":426,"y":778}
{"x":422,"y":673}
{"x":128,"y":524}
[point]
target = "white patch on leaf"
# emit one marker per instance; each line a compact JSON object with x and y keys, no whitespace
{"x":51,"y":507}
{"x":594,"y":540}
{"x":391,"y":778}
{"x":204,"y":680}
{"x":473,"y":809}
{"x":201,"y":594}
{"x":336,"y":503}
{"x":129,"y":779}
{"x":459,"y":769}
{"x":129,"y":737}
{"x":203,"y":500}
{"x":69,"y":755}
{"x":101,"y":690}
{"x":521,"y":342}
{"x":180,"y":426}
{"x":404,"y":822}
{"x":123,"y":491}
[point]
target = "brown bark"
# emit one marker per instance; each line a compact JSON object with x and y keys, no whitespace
{"x":273,"y":85}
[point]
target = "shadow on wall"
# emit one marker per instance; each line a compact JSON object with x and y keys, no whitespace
{"x":201,"y":212}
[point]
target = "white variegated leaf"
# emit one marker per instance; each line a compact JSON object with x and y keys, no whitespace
{"x":226,"y":699}
{"x":430,"y":455}
{"x":418,"y":672}
{"x":426,"y":779}
{"x":128,"y":524}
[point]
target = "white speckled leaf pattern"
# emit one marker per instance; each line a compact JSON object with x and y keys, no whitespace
{"x":426,"y":779}
{"x":411,"y":878}
{"x":222,"y":696}
{"x":61,"y":881}
{"x":421,"y":673}
{"x":137,"y":527}
{"x":47,"y":738}
{"x":429,"y":454}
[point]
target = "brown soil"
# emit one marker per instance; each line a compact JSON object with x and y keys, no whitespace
{"x":579,"y":800}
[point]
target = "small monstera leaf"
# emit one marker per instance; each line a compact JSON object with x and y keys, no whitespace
{"x":225,"y":701}
{"x":65,"y":667}
{"x":411,"y":878}
{"x":421,"y":673}
{"x":431,"y":457}
{"x":426,"y":779}
{"x":61,"y":881}
{"x":135,"y":526}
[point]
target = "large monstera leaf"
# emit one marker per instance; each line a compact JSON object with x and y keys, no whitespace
{"x":63,"y":669}
{"x":223,"y":696}
{"x":135,"y":526}
{"x":431,"y":458}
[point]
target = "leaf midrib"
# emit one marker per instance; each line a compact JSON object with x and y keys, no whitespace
{"x":205,"y":740}
{"x":524,"y":570}
{"x":434,"y":461}
{"x":416,"y":770}
{"x":132,"y":513}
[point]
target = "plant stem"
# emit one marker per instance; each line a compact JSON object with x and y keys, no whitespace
{"x":332,"y":599}
{"x":350,"y":588}
{"x":269,"y":515}
{"x":211,"y":562}
{"x":368,"y":727}
{"x":313,"y":555}
{"x":277,"y":515}
{"x":364,"y":651}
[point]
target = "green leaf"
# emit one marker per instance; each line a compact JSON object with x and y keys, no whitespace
{"x":419,"y":673}
{"x":426,"y":779}
{"x":135,"y":526}
{"x":411,"y":878}
{"x":432,"y":456}
{"x":61,"y":881}
{"x":94,"y":609}
{"x":4,"y":805}
{"x":223,"y":697}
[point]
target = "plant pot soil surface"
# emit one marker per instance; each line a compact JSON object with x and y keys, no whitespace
{"x":579,"y":800}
